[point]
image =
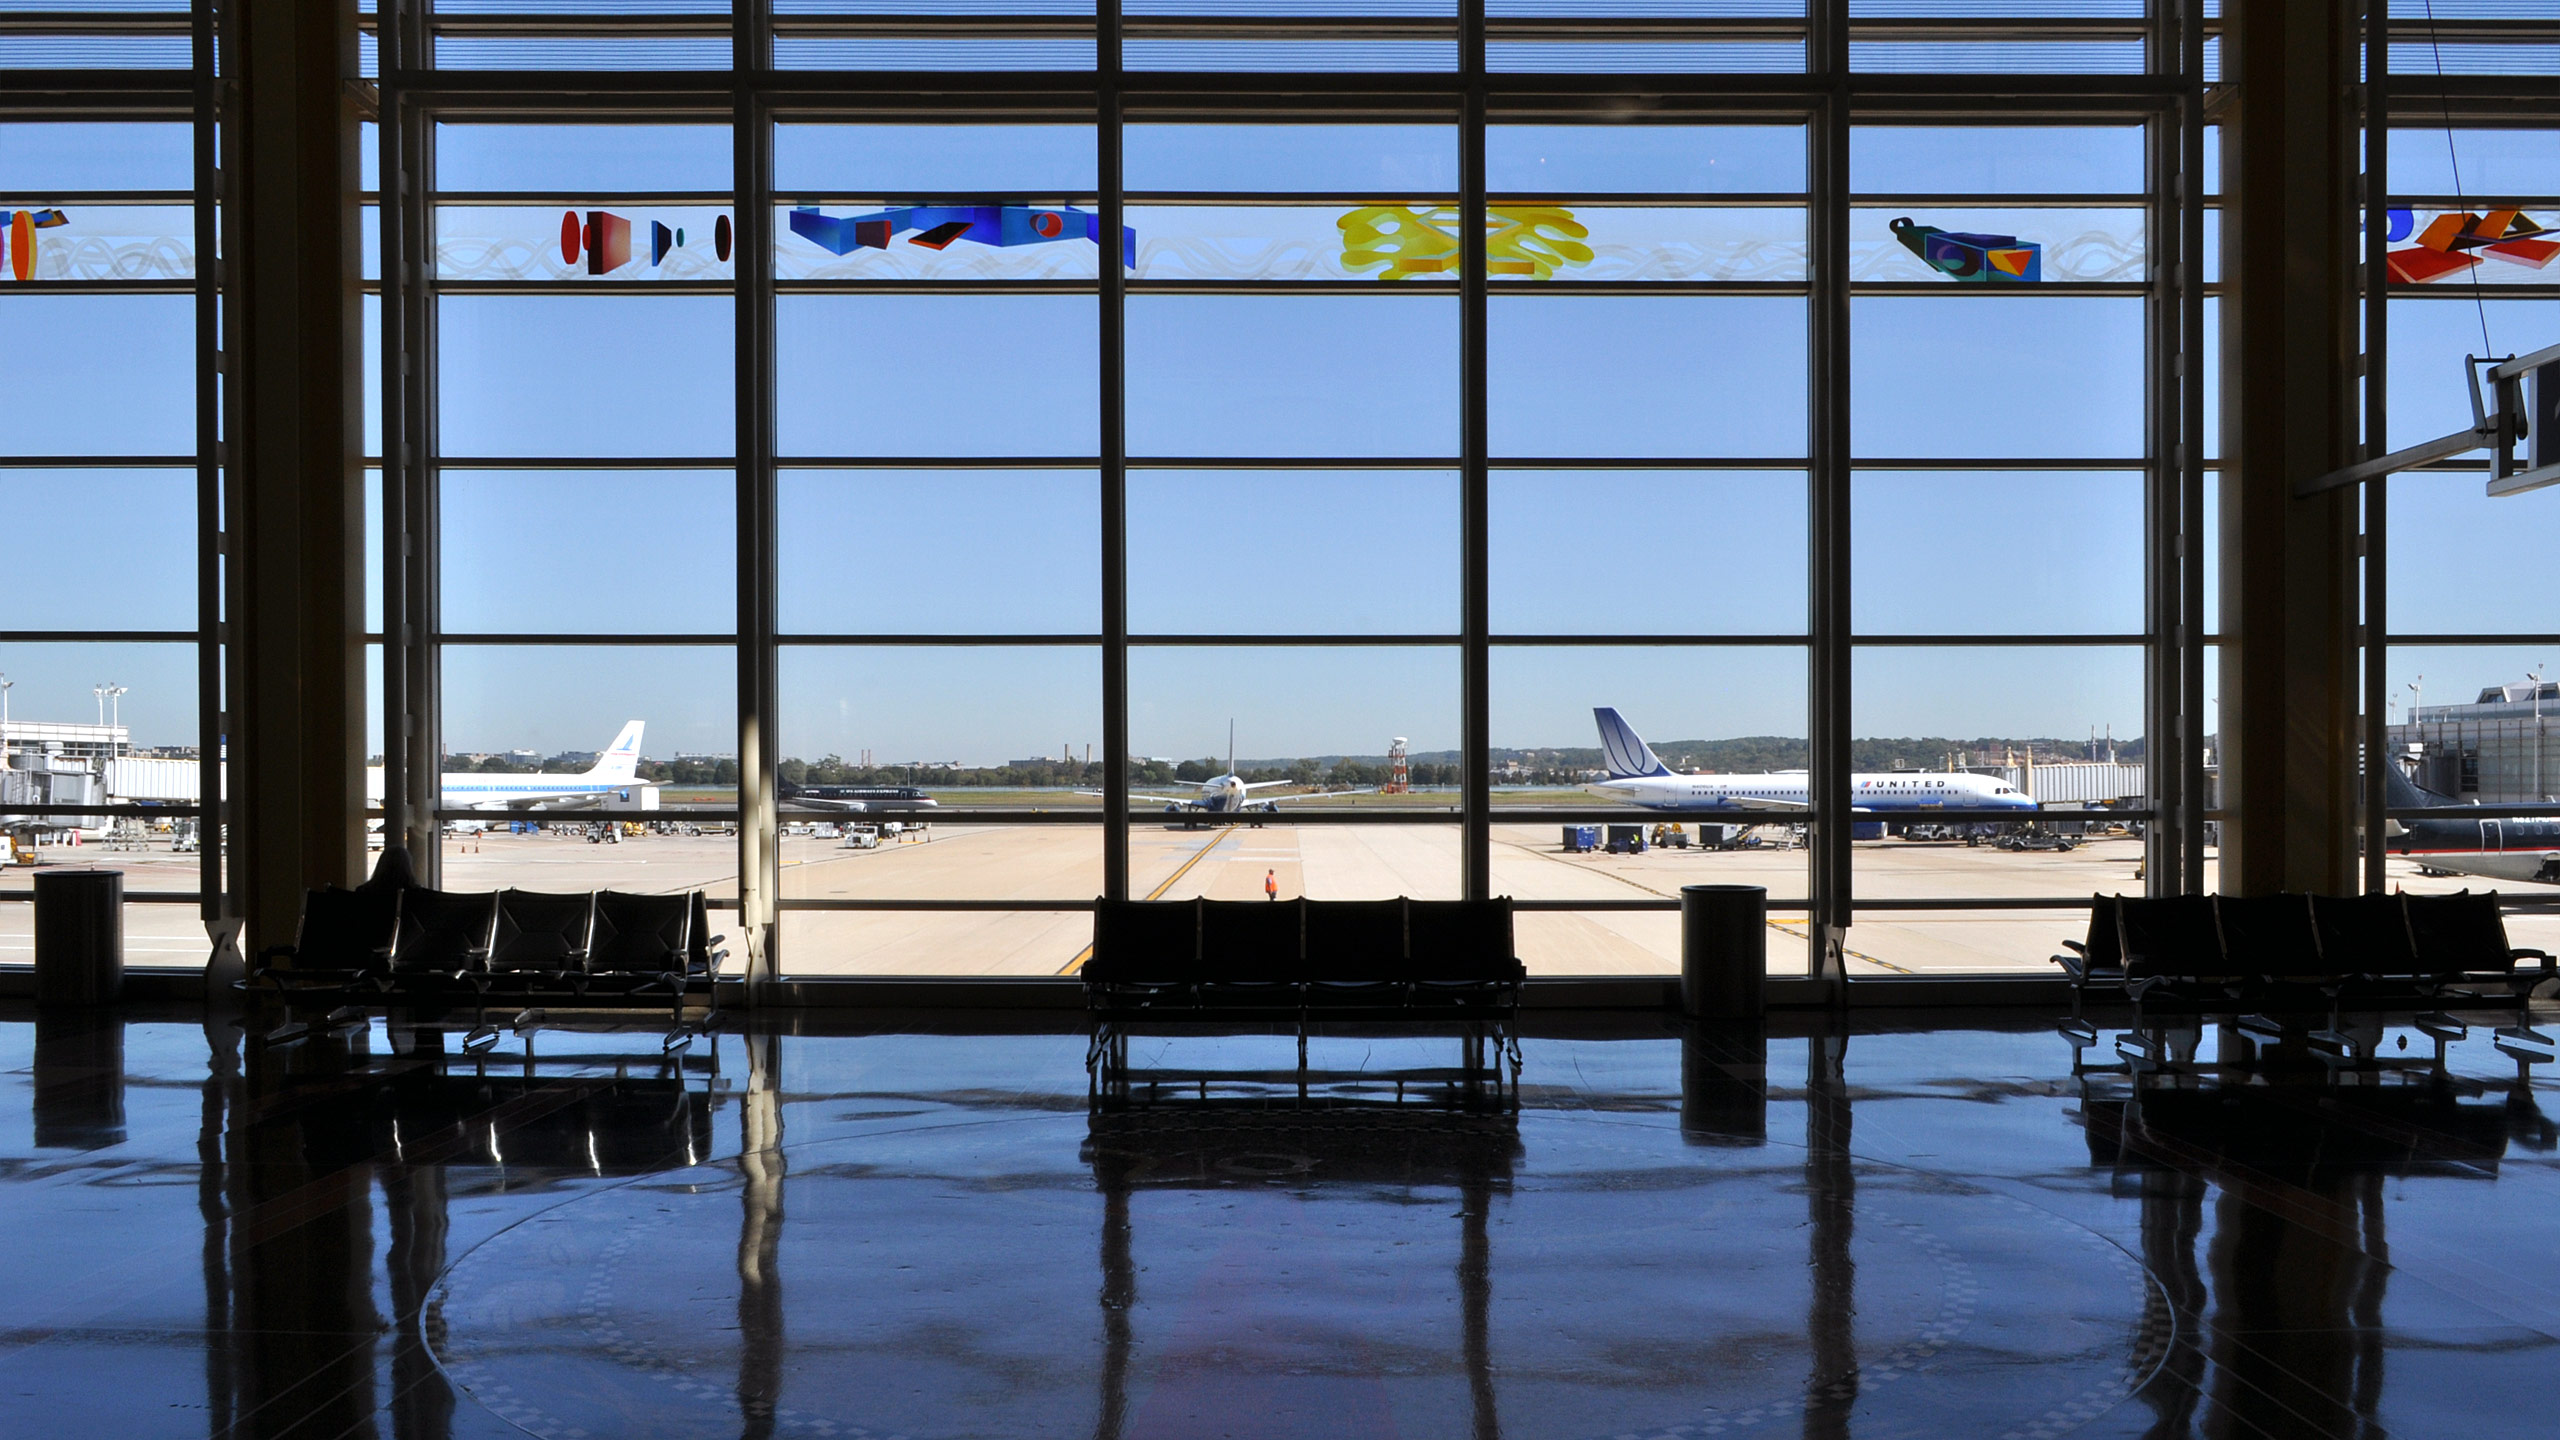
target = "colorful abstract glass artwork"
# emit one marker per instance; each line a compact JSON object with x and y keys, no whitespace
{"x":604,"y":241}
{"x":936,"y":227}
{"x":1401,"y":242}
{"x":2446,"y":245}
{"x":22,"y":228}
{"x":1973,"y":259}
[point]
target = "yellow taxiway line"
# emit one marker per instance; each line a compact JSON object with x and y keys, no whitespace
{"x":1158,"y":893}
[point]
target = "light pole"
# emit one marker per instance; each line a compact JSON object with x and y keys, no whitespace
{"x":108,"y":696}
{"x":2535,"y":675}
{"x":5,"y":683}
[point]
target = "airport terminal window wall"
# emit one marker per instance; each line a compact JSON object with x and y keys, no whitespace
{"x":2473,"y":179}
{"x":105,"y":653}
{"x":1814,"y":426}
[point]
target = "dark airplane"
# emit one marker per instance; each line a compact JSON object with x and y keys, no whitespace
{"x":2497,"y":849}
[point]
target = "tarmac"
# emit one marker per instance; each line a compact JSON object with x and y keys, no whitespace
{"x":1035,"y":863}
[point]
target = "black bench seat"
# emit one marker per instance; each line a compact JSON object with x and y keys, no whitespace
{"x":1299,"y":963}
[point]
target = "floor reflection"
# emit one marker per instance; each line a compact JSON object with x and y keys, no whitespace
{"x":2275,"y":1161}
{"x":1819,"y":1229}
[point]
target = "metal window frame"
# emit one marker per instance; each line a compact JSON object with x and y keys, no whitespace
{"x":1827,"y":99}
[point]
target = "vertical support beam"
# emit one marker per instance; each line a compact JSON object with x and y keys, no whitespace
{"x":2192,"y":736}
{"x":2375,"y":746}
{"x":213,"y":903}
{"x":2164,"y":531}
{"x":1112,"y":395}
{"x":1475,"y":607}
{"x":296,"y":508}
{"x":759,"y":602}
{"x":2289,"y":572}
{"x":1827,"y":445}
{"x":419,"y":646}
{"x":411,"y":782}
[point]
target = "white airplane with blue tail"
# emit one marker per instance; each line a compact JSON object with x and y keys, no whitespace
{"x":1637,"y":776}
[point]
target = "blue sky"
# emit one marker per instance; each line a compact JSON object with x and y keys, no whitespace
{"x":1709,"y":538}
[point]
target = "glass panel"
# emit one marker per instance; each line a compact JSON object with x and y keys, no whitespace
{"x":1319,"y":375}
{"x":1953,"y":553}
{"x":2084,"y":353}
{"x":1289,"y":55}
{"x":158,"y":935}
{"x":604,"y":241}
{"x":1648,"y":376}
{"x":868,"y":52}
{"x":852,"y":541}
{"x":1552,"y":565}
{"x":55,"y":586}
{"x":1192,"y":572}
{"x":1996,"y":159}
{"x":577,"y":375}
{"x":660,"y":853}
{"x":1644,"y":159}
{"x":1297,"y":714}
{"x":974,"y":725}
{"x":2430,"y":335}
{"x":116,"y":375}
{"x":1714,"y":710}
{"x":1415,"y":160}
{"x":886,"y":854}
{"x":2463,"y":562}
{"x":583,"y":52}
{"x":856,"y":942}
{"x":532,"y":725}
{"x":502,"y":532}
{"x":92,"y":156}
{"x":582,"y":159}
{"x":2481,"y":734}
{"x":1998,"y":57}
{"x":2506,"y":163}
{"x":875,"y":239}
{"x":1764,"y":57}
{"x":1272,"y":857}
{"x":854,"y":378}
{"x":98,"y":707}
{"x":98,"y":242}
{"x":929,"y":160}
{"x":1419,"y":240}
{"x":1940,"y":728}
{"x":1633,"y":942}
{"x":1997,"y":246}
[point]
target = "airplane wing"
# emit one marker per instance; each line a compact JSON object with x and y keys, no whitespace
{"x":1311,"y":795}
{"x":1183,"y":801}
{"x":1760,"y":802}
{"x":803,"y":802}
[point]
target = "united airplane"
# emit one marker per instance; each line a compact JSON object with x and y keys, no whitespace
{"x":858,"y":799}
{"x":1638,"y":777}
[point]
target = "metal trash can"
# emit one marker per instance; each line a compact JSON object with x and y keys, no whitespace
{"x":79,"y":937}
{"x":1724,"y":951}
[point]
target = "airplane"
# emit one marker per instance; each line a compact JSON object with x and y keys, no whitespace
{"x":1638,"y":777}
{"x":1229,"y":793}
{"x":2496,"y":849}
{"x":857,"y":799}
{"x":611,"y":777}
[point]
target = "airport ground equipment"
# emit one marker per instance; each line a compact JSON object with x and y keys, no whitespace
{"x":1626,"y":839}
{"x":2257,"y":960}
{"x":2527,"y":391}
{"x":1221,"y":965}
{"x":1581,"y":839}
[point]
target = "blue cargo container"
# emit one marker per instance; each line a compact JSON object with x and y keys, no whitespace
{"x":1581,"y":838}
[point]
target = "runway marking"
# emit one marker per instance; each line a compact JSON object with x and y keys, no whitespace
{"x":1157,"y":893}
{"x":1780,"y":926}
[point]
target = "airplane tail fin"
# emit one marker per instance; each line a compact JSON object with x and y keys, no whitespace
{"x":2401,"y":792}
{"x":1629,"y":757}
{"x":621,"y":760}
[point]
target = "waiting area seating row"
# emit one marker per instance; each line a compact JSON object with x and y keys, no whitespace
{"x":391,"y":942}
{"x":2258,"y":957}
{"x":1302,"y":963}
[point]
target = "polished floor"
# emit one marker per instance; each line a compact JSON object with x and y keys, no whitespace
{"x":1869,"y":1229}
